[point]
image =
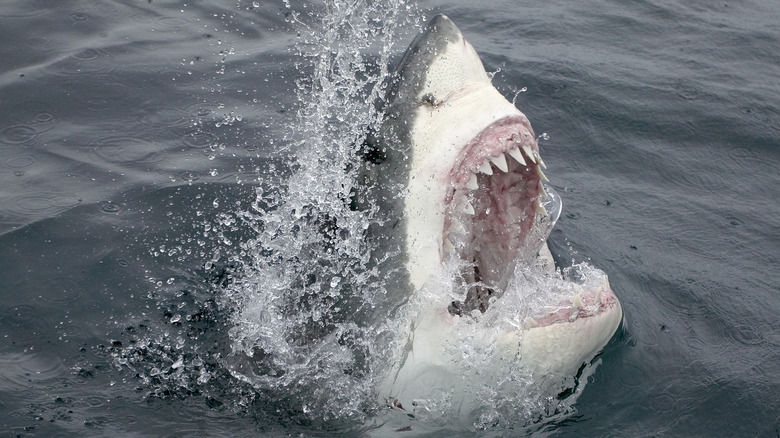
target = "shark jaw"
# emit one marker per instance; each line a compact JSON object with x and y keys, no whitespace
{"x":475,"y":197}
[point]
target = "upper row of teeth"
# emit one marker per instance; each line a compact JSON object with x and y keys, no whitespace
{"x":500,"y":162}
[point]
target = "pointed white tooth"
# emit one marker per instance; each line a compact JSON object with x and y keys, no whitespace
{"x":456,"y":226}
{"x":540,"y":208}
{"x":448,"y":246}
{"x":541,"y":174}
{"x":529,"y":153}
{"x":539,"y":160}
{"x":576,"y":303}
{"x":517,"y":155}
{"x":542,"y":191}
{"x":500,"y":162}
{"x":598,"y":297}
{"x":466,"y":207}
{"x":530,"y":322}
{"x":485,"y":168}
{"x":472,"y":183}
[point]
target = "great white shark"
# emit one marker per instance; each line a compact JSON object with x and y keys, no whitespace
{"x":458,"y":186}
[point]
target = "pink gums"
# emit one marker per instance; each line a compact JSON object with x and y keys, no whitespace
{"x":589,"y":308}
{"x":504,"y":202}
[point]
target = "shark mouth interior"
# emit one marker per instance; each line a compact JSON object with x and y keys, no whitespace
{"x":494,"y":209}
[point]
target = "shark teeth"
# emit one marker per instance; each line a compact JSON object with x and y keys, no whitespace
{"x":576,"y":306}
{"x":539,"y":160}
{"x":541,"y":174}
{"x":530,"y":154}
{"x":448,"y":247}
{"x":485,"y":168}
{"x":472,"y":182}
{"x":521,"y":154}
{"x":500,"y":162}
{"x":542,"y":191}
{"x":576,"y":303}
{"x":517,"y":155}
{"x":540,"y":208}
{"x":457,"y":226}
{"x":466,"y":207}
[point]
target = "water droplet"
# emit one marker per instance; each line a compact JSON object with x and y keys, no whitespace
{"x":79,"y":16}
{"x":108,"y":207}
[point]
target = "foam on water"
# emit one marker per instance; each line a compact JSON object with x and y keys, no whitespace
{"x":306,"y":309}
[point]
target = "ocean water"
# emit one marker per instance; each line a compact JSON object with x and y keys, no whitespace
{"x":164,"y":167}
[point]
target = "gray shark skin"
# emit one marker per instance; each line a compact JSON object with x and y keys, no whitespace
{"x":456,"y":184}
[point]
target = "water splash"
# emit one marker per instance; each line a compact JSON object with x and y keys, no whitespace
{"x":307,"y":325}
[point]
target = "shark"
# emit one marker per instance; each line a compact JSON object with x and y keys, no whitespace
{"x":459,"y":188}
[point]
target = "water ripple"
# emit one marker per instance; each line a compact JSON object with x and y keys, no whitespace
{"x":165,"y":116}
{"x":118,"y":149}
{"x":87,"y":54}
{"x":28,"y":120}
{"x":105,"y":93}
{"x":18,"y":134}
{"x":28,"y":9}
{"x":22,"y":369}
{"x":61,"y":290}
{"x":85,"y":62}
{"x":50,"y":203}
{"x":109,"y":207}
{"x":34,"y":204}
{"x":18,"y":315}
{"x":20,"y":161}
{"x":79,"y":16}
{"x":37,"y":41}
{"x":632,"y":376}
{"x":200,"y":139}
{"x":97,"y":104}
{"x":745,"y":334}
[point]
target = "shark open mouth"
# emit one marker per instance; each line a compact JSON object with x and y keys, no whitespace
{"x":497,"y":192}
{"x":496,"y":218}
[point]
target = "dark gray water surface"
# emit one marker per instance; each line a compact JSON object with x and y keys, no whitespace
{"x":129,"y":129}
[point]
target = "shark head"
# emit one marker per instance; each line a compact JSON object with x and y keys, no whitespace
{"x":475,"y":196}
{"x":475,"y":180}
